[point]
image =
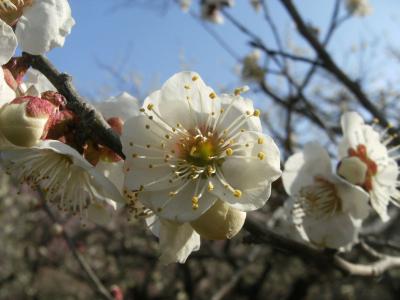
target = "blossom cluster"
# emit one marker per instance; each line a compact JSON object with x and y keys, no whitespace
{"x":195,"y":161}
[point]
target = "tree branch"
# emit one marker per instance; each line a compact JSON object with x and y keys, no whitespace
{"x":320,"y":258}
{"x":331,"y":66}
{"x":92,"y":122}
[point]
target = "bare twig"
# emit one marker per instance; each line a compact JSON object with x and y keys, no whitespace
{"x":331,"y":66}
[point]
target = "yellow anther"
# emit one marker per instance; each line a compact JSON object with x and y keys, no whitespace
{"x":150,"y":106}
{"x":148,"y":146}
{"x":222,"y":110}
{"x":229,"y":151}
{"x":237,"y":193}
{"x":237,"y":91}
{"x":195,"y":77}
{"x":178,"y":125}
{"x":195,"y":202}
{"x":242,"y":130}
{"x":150,"y":166}
{"x":261,"y":155}
{"x":167,"y":136}
{"x":147,"y":126}
{"x":162,"y":145}
{"x":134,"y":155}
{"x":248,"y":113}
{"x":210,"y":187}
{"x":141,"y":188}
{"x":260,"y":141}
{"x":257,"y":113}
{"x":142,"y":110}
{"x":212,"y":95}
{"x":247,"y":145}
{"x":187,"y":87}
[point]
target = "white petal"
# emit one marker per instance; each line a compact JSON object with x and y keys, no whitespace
{"x":335,"y":232}
{"x":8,"y":43}
{"x":6,"y":93}
{"x":301,"y":168}
{"x":135,"y":139}
{"x":113,"y":171}
{"x":253,"y":177}
{"x":34,"y":80}
{"x":188,"y":93}
{"x":178,"y":208}
{"x":177,"y":241}
{"x":380,"y":198}
{"x":354,"y":199}
{"x":123,"y":106}
{"x":234,"y":107}
{"x":44,"y":26}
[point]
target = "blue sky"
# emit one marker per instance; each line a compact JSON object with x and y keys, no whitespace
{"x":157,"y":44}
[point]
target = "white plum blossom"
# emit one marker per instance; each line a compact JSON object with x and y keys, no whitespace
{"x":366,"y":160}
{"x":65,"y":178}
{"x":185,"y":5}
{"x":326,"y":210}
{"x":358,"y":7}
{"x":251,"y":69}
{"x":211,"y":9}
{"x":40,"y":25}
{"x":190,"y":147}
{"x":256,"y":4}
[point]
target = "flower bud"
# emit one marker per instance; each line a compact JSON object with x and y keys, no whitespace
{"x":25,"y":120}
{"x":353,"y":170}
{"x":220,"y":222}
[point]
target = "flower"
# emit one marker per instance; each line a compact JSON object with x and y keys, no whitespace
{"x":327,"y":211}
{"x":251,"y":69}
{"x":366,"y":160}
{"x":256,"y":4}
{"x":358,"y":7}
{"x":40,"y":25}
{"x":65,"y":178}
{"x":185,"y":5}
{"x":211,"y":9}
{"x":190,"y":147}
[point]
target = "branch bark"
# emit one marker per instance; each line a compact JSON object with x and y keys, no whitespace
{"x":92,"y":122}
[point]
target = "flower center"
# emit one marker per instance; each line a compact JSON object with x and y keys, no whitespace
{"x":371,"y":167}
{"x":319,"y":199}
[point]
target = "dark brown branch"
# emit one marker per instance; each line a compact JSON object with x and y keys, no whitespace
{"x":92,"y":122}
